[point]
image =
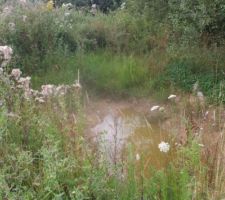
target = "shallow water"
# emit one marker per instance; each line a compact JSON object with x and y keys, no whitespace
{"x":131,"y":131}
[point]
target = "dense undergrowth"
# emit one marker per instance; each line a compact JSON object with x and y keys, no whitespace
{"x":45,"y":155}
{"x":125,"y":44}
{"x":128,"y":52}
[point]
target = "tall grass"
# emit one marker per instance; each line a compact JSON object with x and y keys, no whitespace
{"x":44,"y":153}
{"x":116,"y":53}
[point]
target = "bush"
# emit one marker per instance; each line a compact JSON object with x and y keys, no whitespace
{"x":186,"y":72}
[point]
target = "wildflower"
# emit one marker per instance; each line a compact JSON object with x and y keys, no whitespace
{"x":40,"y":100}
{"x":67,"y":5}
{"x":47,"y":90}
{"x":16,"y":74}
{"x":172,"y":96}
{"x":5,"y":55}
{"x":7,"y":52}
{"x":201,"y":145}
{"x":93,"y":9}
{"x":153,"y":108}
{"x":123,"y":6}
{"x":24,"y":83}
{"x":34,"y":93}
{"x":164,"y":147}
{"x":24,"y":80}
{"x":50,"y":5}
{"x":94,"y":6}
{"x":60,"y":90}
{"x":137,"y":157}
{"x":195,"y":87}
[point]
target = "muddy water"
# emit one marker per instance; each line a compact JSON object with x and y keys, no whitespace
{"x":130,"y":131}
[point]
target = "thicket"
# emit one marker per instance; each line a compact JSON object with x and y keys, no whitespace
{"x":146,"y":47}
{"x":45,"y":155}
{"x":188,"y":36}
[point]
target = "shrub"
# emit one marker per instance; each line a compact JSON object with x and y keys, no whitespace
{"x":185,"y":72}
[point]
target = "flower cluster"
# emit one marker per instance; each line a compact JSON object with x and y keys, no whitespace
{"x":5,"y":55}
{"x":159,"y":108}
{"x":23,"y":83}
{"x":67,"y":6}
{"x":164,"y":147}
{"x":46,"y":90}
{"x":172,"y":96}
{"x":16,"y":73}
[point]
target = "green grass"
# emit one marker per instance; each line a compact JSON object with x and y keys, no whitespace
{"x":102,"y":72}
{"x":155,"y":74}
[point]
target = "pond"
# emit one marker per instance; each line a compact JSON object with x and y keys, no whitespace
{"x":129,"y":131}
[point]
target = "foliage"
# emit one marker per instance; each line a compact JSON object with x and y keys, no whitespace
{"x":203,"y":69}
{"x":104,"y":5}
{"x":141,"y":49}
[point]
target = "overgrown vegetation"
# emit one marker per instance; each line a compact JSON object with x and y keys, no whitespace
{"x":140,"y":48}
{"x":186,"y":44}
{"x":45,"y":155}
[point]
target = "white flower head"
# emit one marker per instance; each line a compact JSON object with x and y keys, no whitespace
{"x":34,"y":93}
{"x":47,"y":90}
{"x":172,"y":96}
{"x":137,"y":157}
{"x":16,"y":74}
{"x":7,"y":52}
{"x":164,"y":147}
{"x":25,"y":81}
{"x":153,"y":108}
{"x":94,"y":6}
{"x":67,"y":6}
{"x":61,"y":90}
{"x":123,"y":5}
{"x":40,"y":100}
